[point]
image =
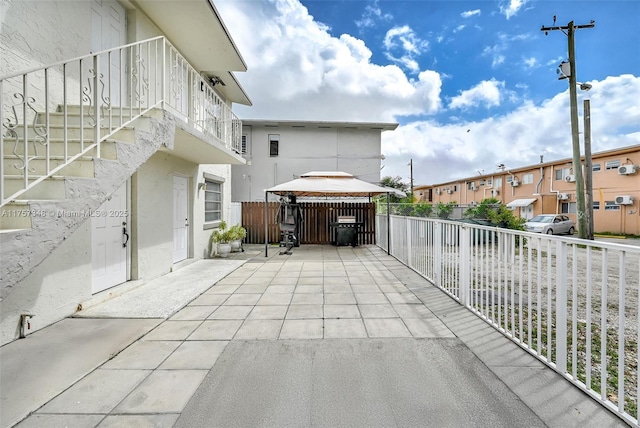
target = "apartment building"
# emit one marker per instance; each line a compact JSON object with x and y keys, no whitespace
{"x":278,"y":151}
{"x":549,"y":187}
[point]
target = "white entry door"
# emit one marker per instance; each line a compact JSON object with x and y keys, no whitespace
{"x":108,"y":30}
{"x":109,"y":240}
{"x":180,"y":218}
{"x":526,"y":212}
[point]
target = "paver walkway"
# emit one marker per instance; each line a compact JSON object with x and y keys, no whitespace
{"x":325,"y":337}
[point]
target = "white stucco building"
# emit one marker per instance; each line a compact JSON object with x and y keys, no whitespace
{"x":85,"y":209}
{"x":278,"y":151}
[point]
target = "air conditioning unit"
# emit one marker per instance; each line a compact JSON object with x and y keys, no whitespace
{"x":627,"y":169}
{"x":494,"y":192}
{"x":570,"y":178}
{"x":624,"y":200}
{"x":438,"y":191}
{"x":563,"y":196}
{"x":515,"y":183}
{"x":473,"y":187}
{"x":449,"y":191}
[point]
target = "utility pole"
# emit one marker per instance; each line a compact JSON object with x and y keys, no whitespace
{"x":411,"y":178}
{"x":586,"y":114}
{"x":569,"y":30}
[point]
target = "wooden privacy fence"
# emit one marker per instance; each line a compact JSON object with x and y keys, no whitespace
{"x":316,"y":220}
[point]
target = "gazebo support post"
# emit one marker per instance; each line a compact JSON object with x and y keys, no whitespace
{"x":266,"y":224}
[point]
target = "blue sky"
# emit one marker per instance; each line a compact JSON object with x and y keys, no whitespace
{"x":471,"y":83}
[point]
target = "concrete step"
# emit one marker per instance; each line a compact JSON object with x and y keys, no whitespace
{"x":114,"y":112}
{"x":16,"y":215}
{"x":107,"y":148}
{"x":81,"y":167}
{"x":51,"y":188}
{"x":56,"y":132}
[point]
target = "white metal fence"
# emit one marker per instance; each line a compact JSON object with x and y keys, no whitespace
{"x":56,"y":114}
{"x":563,"y":299}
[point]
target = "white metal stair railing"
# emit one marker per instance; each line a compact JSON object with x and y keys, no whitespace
{"x":71,"y":107}
{"x":562,"y":299}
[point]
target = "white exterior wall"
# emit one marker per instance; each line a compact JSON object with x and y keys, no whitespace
{"x":68,"y":30}
{"x":301,"y":150}
{"x":54,"y":289}
{"x":152,"y":207}
{"x":62,"y":281}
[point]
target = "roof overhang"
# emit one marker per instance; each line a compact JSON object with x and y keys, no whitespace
{"x":520,"y":203}
{"x":196,"y":29}
{"x":328,"y":183}
{"x":379,"y":126}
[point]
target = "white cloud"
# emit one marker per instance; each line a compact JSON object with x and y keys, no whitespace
{"x":470,"y":13}
{"x":512,"y":7}
{"x":486,"y":93}
{"x":459,"y":28}
{"x":372,"y":13}
{"x":402,"y":45}
{"x":297,"y":70}
{"x":446,"y":152}
{"x":530,"y":62}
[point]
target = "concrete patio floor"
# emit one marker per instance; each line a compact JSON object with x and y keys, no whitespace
{"x":326,"y":336}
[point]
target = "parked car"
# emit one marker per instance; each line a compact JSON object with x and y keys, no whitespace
{"x":551,"y":224}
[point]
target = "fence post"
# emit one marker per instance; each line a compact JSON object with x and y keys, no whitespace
{"x":409,"y":243}
{"x":437,"y":252}
{"x":465,"y":263}
{"x":561,"y":307}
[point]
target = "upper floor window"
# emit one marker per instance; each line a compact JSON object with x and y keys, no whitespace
{"x":561,"y":173}
{"x":497,"y":182}
{"x":596,"y":205}
{"x":527,"y":178}
{"x":613,"y":164}
{"x":596,"y":167}
{"x":568,"y":207}
{"x":244,"y":144}
{"x":274,"y":144}
{"x":611,"y":206}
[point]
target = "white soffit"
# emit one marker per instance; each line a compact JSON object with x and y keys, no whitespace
{"x":197,"y":31}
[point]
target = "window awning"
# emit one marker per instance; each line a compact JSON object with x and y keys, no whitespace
{"x":520,"y":203}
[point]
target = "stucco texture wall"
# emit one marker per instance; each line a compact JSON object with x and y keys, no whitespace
{"x":54,"y":289}
{"x":152,"y":208}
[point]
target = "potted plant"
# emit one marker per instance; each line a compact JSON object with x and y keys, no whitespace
{"x":237,"y":233}
{"x":220,"y":239}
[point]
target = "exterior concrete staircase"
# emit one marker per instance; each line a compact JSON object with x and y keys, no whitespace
{"x":32,"y":226}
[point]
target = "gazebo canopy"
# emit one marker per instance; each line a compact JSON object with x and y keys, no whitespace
{"x":328,"y":183}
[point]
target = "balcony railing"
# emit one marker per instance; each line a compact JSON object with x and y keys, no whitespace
{"x":55,"y":114}
{"x":572,"y":303}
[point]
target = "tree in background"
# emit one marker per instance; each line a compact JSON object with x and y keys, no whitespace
{"x":493,"y":210}
{"x":396,"y":183}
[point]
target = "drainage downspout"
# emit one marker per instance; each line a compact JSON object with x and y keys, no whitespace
{"x":551,"y":188}
{"x":541,"y":177}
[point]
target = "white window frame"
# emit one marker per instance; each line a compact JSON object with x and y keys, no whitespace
{"x":568,"y":208}
{"x":527,"y":178}
{"x":611,"y":206}
{"x":563,"y":173}
{"x":612,"y":164}
{"x":596,"y":167}
{"x":214,"y":186}
{"x":274,"y":138}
